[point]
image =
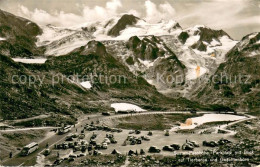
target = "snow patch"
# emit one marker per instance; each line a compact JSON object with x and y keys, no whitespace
{"x":52,"y":33}
{"x":126,"y":107}
{"x":191,"y":40}
{"x":86,"y":84}
{"x":214,"y":43}
{"x":191,"y":123}
{"x":30,"y":61}
{"x":146,"y":63}
{"x":66,"y":48}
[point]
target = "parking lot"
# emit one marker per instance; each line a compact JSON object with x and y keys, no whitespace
{"x":157,"y":139}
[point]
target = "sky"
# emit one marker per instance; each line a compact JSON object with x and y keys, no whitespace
{"x":237,"y":17}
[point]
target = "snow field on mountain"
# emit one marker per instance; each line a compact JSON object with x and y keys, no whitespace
{"x":86,"y":84}
{"x":30,"y":61}
{"x":191,"y":123}
{"x":126,"y":107}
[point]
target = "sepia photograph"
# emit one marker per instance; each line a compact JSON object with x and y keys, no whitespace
{"x":130,"y":83}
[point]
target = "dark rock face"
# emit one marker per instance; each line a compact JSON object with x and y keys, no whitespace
{"x":133,"y":42}
{"x":123,"y":22}
{"x":95,"y":47}
{"x":200,"y":46}
{"x":19,"y":32}
{"x":145,"y":49}
{"x":183,"y":37}
{"x":207,"y":34}
{"x":170,"y":70}
{"x":166,"y":71}
{"x":177,"y":26}
{"x":130,"y":60}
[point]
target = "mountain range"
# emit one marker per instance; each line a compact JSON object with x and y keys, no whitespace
{"x":163,"y":66}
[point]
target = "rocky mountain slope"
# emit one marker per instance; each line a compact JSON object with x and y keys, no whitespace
{"x":236,"y":82}
{"x":18,"y":36}
{"x":55,"y":87}
{"x":146,"y":48}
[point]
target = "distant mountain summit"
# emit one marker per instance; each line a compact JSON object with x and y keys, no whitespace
{"x":122,"y":23}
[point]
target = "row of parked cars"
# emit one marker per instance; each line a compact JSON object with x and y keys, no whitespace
{"x":150,"y":133}
{"x":92,"y":127}
{"x":215,"y":143}
{"x":132,"y":140}
{"x":172,"y":147}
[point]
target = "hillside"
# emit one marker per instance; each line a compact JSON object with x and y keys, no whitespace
{"x":59,"y":93}
{"x":19,"y":36}
{"x":236,"y":81}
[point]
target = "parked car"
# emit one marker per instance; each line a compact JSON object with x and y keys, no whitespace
{"x":106,"y":113}
{"x":71,"y":144}
{"x":113,"y":141}
{"x":98,"y":146}
{"x":109,"y":135}
{"x":167,"y":133}
{"x":83,"y":148}
{"x":150,"y":133}
{"x":81,"y":155}
{"x":131,"y":132}
{"x":57,"y":162}
{"x":90,"y":147}
{"x":142,"y":152}
{"x":139,"y":141}
{"x":106,"y":140}
{"x":193,"y":143}
{"x":65,"y":145}
{"x":133,"y":142}
{"x":104,"y":145}
{"x":175,"y":146}
{"x":137,"y":131}
{"x":96,"y":152}
{"x":187,"y":146}
{"x":73,"y":156}
{"x":46,"y":152}
{"x":81,"y":136}
{"x":69,"y":138}
{"x":93,"y":142}
{"x":75,"y":135}
{"x":146,"y":138}
{"x":76,"y":148}
{"x":223,"y":141}
{"x":168,"y":148}
{"x":93,"y":136}
{"x":210,"y":143}
{"x":154,"y":149}
{"x":131,"y":152}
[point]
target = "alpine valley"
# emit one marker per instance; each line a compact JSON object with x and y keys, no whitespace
{"x":164,"y":67}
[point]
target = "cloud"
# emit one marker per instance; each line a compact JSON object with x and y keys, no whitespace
{"x":156,"y":13}
{"x":60,"y":18}
{"x":237,"y":17}
{"x":217,"y":14}
{"x":114,"y":5}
